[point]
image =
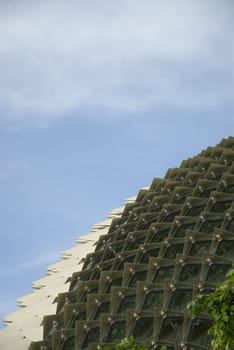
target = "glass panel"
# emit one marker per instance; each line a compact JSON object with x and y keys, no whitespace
{"x":164,"y":272}
{"x":128,"y":302}
{"x":146,"y":225}
{"x":230,"y":226}
{"x":205,"y":193}
{"x":84,"y":296}
{"x":71,"y":299}
{"x":213,"y":175}
{"x":140,"y":240}
{"x":86,"y":275}
{"x":219,"y":207}
{"x":118,"y":247}
{"x":226,"y":248}
{"x":117,"y":332}
{"x":119,"y":266}
{"x":180,"y":299}
{"x":91,"y":337}
{"x":159,"y":236}
{"x":69,"y":343}
{"x":136,"y":243}
{"x":171,"y":328}
{"x":138,"y":276}
{"x":109,"y":254}
{"x":117,"y":282}
{"x":199,"y":334}
{"x":145,"y":258}
{"x":190,"y":272}
{"x":179,"y":199}
{"x":217,"y":272}
{"x":96,"y":274}
{"x":180,"y":231}
{"x":153,"y":299}
{"x":104,"y":307}
{"x":209,"y":225}
{"x":88,"y":264}
{"x":173,"y":250}
{"x":170,"y":216}
{"x":229,"y":188}
{"x":198,"y":248}
{"x":195,"y":210}
{"x":143,"y":328}
{"x":80,"y":317}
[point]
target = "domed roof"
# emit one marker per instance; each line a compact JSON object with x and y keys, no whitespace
{"x":174,"y":241}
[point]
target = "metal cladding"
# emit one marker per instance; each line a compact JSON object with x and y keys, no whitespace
{"x":174,"y":241}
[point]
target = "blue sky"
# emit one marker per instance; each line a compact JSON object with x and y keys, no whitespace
{"x":96,"y":99}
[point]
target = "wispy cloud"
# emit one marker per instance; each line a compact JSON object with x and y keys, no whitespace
{"x":58,"y":57}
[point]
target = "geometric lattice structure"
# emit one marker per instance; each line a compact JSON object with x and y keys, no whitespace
{"x":174,"y":241}
{"x":25,"y":324}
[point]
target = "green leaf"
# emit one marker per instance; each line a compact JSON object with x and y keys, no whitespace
{"x":220,"y":307}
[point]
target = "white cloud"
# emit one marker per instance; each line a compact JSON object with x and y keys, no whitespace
{"x":58,"y":57}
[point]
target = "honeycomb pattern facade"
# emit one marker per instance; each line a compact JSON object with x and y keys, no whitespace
{"x":174,"y":241}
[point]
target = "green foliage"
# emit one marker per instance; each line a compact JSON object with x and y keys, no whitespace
{"x":130,"y":344}
{"x":220,"y":306}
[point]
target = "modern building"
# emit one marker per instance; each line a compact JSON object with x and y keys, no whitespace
{"x":135,"y":273}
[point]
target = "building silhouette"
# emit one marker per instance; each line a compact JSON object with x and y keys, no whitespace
{"x":135,"y":272}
